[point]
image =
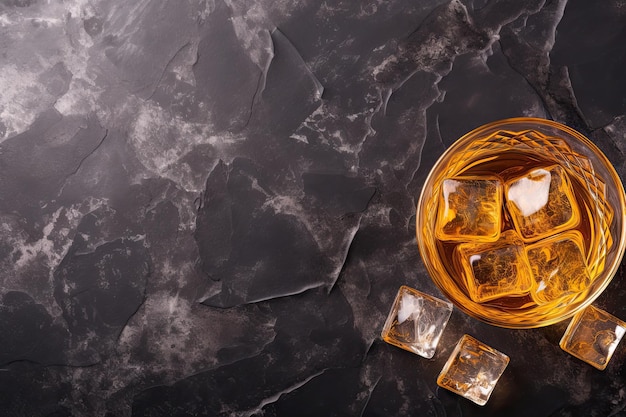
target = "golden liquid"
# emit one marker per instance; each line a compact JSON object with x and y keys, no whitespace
{"x":571,"y":258}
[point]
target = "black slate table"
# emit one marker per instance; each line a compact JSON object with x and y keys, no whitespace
{"x":207,"y":206}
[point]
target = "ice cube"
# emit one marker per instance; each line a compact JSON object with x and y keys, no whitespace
{"x":592,"y":336}
{"x":469,"y":208}
{"x":416,"y":322}
{"x":472,"y":370}
{"x":542,"y":203}
{"x":558,"y":267}
{"x":493,"y":270}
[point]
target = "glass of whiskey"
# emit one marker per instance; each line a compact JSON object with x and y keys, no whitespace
{"x":520,"y":223}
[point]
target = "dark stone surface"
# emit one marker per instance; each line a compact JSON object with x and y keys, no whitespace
{"x":207,"y":207}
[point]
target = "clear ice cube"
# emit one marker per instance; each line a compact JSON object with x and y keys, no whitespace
{"x":472,"y":370}
{"x":592,"y":336}
{"x":558,"y":267}
{"x":493,"y":270}
{"x":542,"y":203}
{"x":469,"y":208}
{"x":416,"y":322}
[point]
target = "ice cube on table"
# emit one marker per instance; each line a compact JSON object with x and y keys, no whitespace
{"x":416,"y":322}
{"x":493,"y":270}
{"x":469,"y":208}
{"x":542,"y":203}
{"x":592,"y":336}
{"x":472,"y":370}
{"x":558,"y":267}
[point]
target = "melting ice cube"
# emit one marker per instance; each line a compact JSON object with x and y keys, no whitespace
{"x":542,"y":203}
{"x":416,"y":322}
{"x":472,"y":370}
{"x":469,"y":209}
{"x":493,"y":270}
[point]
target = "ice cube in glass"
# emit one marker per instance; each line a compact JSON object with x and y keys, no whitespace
{"x":558,"y":267}
{"x":542,"y":203}
{"x":469,"y":209}
{"x":493,"y":270}
{"x":416,"y":322}
{"x":592,"y":336}
{"x":472,"y":370}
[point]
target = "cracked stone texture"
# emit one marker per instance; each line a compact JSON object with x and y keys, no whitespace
{"x":207,"y":206}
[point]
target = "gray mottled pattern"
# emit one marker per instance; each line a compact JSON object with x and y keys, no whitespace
{"x":207,"y":206}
